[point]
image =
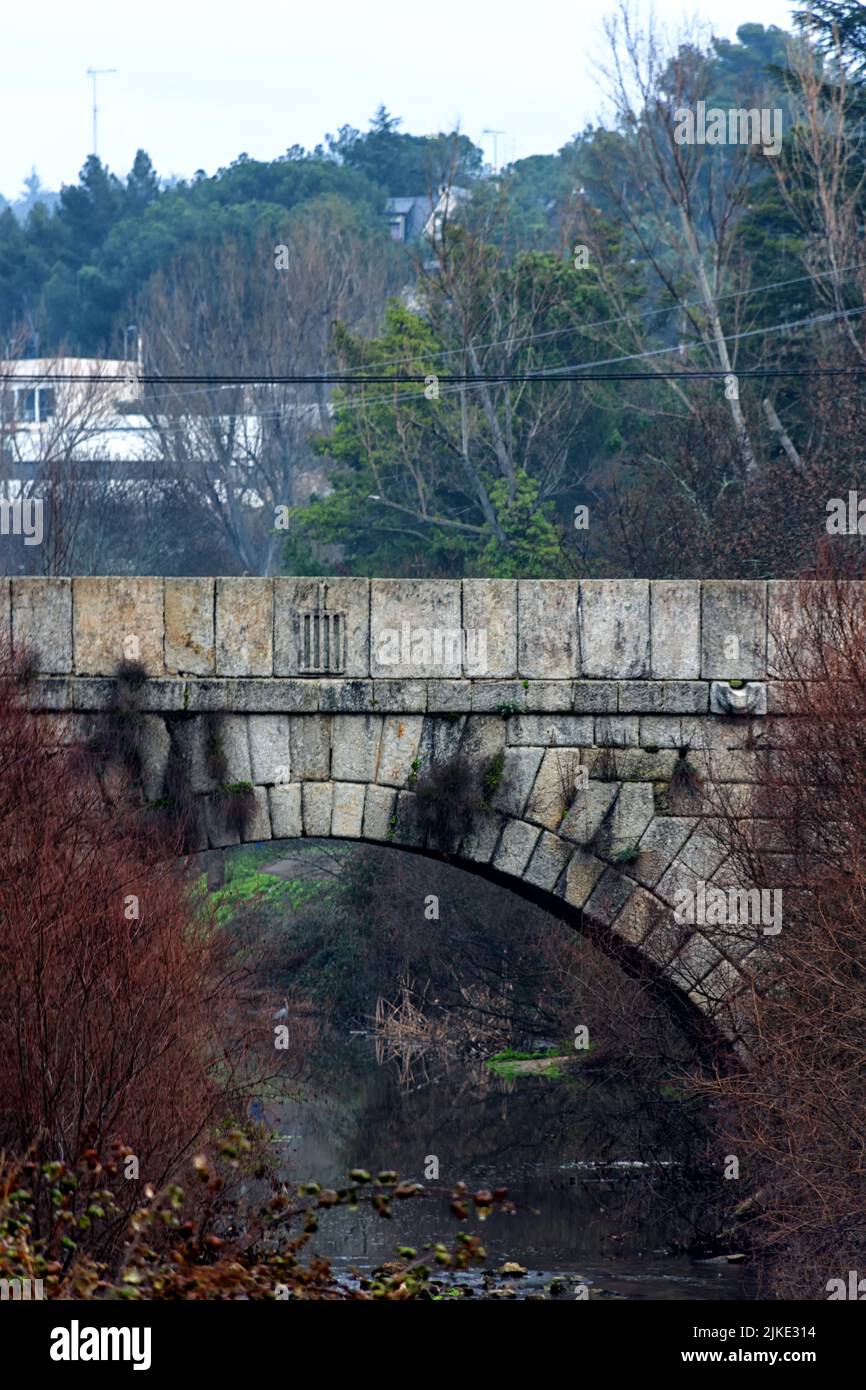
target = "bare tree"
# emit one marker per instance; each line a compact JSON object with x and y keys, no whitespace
{"x":681,"y":201}
{"x":257,"y":310}
{"x":53,"y":455}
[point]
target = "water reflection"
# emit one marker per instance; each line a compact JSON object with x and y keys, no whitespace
{"x":596,"y":1177}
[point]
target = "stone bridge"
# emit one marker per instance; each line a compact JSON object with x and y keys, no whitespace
{"x":601,"y":712}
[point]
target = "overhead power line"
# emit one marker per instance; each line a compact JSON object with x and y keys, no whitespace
{"x":451,"y":378}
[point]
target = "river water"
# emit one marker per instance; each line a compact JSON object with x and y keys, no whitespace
{"x":596,"y":1203}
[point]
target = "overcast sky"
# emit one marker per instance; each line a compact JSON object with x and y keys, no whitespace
{"x":198,"y":81}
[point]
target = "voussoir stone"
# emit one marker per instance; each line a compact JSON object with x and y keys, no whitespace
{"x":316,"y":801}
{"x":347,"y":814}
{"x":549,"y":858}
{"x":379,"y":804}
{"x":310,"y":747}
{"x":285,"y":807}
{"x":515,"y":847}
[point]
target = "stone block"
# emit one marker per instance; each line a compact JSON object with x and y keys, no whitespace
{"x":483,"y":737}
{"x":154,"y":747}
{"x":675,"y":623}
{"x":679,"y":878}
{"x":713,"y":732}
{"x":615,"y":628}
{"x":630,"y":815}
{"x":581,"y":876}
{"x":379,"y":803}
{"x":548,"y":860}
{"x":662,"y":840}
{"x":661,"y":731}
{"x":617,"y":731}
{"x":634,"y":764}
{"x":665,"y":941}
{"x":695,"y":961}
{"x":553,"y":697}
{"x":609,"y":897}
{"x":310,"y":747}
{"x":355,"y":747}
{"x":285,"y":807}
{"x":550,"y":730}
{"x":440,"y":739}
{"x":703,"y":854}
{"x":158,"y":696}
{"x":115,"y":620}
{"x":595,"y":697}
{"x":663,"y":697}
{"x":321,"y":626}
{"x":734,"y":629}
{"x":201,"y":696}
{"x":401,"y":741}
{"x":216,"y":753}
{"x":348,"y":810}
{"x":258,"y":826}
{"x":42,"y":622}
{"x":316,"y":799}
{"x":408,"y":829}
{"x":480,"y":842}
{"x":399,"y":697}
{"x":499,"y":696}
{"x":449,"y":697}
{"x":416,"y":628}
{"x":269,"y":748}
{"x":555,"y":787}
{"x":219,"y":833}
{"x":232,"y":734}
{"x":346,"y":697}
{"x":519,"y":769}
{"x":638,"y":917}
{"x":490,"y":608}
{"x":244,"y":627}
{"x":588,"y":810}
{"x":790,"y":629}
{"x":189,"y":627}
{"x":515,"y":847}
{"x":53,"y":692}
{"x":548,"y":638}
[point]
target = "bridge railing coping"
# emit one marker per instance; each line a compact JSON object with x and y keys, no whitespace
{"x":345,"y":629}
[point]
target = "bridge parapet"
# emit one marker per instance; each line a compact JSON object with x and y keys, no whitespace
{"x":629,"y":630}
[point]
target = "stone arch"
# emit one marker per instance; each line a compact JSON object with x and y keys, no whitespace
{"x":351,"y":777}
{"x":332,"y":694}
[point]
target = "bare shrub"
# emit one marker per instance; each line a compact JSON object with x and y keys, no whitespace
{"x":114,"y":989}
{"x":795,"y":1109}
